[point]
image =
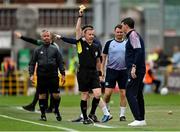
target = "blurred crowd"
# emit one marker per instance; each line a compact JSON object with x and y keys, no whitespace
{"x":159,"y":66}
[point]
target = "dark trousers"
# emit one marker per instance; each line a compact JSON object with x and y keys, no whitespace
{"x":36,"y":98}
{"x":134,"y":94}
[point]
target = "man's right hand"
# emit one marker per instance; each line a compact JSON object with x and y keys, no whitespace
{"x":81,"y":9}
{"x":17,"y":34}
{"x":133,"y":72}
{"x":63,"y":80}
{"x":57,"y":36}
{"x":32,"y":79}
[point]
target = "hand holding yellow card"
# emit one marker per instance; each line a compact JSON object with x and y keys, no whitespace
{"x":82,"y":8}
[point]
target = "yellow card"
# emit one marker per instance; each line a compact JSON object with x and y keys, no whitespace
{"x":82,"y":7}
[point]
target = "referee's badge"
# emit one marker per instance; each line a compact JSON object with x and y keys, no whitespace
{"x":129,"y":80}
{"x":106,"y":83}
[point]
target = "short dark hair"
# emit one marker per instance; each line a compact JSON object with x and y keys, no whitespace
{"x":129,"y":21}
{"x":45,"y":31}
{"x":118,"y":26}
{"x":87,"y":26}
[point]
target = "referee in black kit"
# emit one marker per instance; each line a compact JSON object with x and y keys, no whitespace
{"x":89,"y":70}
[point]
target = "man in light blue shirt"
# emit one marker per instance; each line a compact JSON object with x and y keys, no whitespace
{"x":114,"y":52}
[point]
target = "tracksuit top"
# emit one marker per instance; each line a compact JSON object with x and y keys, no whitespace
{"x":49,"y":60}
{"x":135,"y":52}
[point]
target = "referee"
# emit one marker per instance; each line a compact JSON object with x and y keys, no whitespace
{"x":97,"y":43}
{"x":87,"y":75}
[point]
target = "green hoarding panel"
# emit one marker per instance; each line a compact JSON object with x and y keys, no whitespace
{"x":23,"y":59}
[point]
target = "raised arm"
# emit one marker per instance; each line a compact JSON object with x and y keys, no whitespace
{"x":78,"y":25}
{"x":27,"y":39}
{"x":66,"y":39}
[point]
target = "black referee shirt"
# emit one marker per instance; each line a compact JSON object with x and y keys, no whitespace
{"x":87,"y":54}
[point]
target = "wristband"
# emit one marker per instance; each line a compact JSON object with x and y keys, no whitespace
{"x":80,"y":16}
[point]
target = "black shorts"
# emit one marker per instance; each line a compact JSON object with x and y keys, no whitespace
{"x":45,"y":85}
{"x":113,"y":76}
{"x":102,"y":86}
{"x":87,"y":80}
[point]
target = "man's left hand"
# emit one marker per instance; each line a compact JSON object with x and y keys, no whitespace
{"x":133,"y":72}
{"x":63,"y":80}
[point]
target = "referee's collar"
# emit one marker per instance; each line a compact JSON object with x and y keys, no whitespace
{"x":84,"y":39}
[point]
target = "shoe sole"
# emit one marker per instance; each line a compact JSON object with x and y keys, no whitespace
{"x":108,"y":119}
{"x":137,"y":125}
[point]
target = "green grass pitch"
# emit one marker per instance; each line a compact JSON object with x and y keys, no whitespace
{"x":157,"y":117}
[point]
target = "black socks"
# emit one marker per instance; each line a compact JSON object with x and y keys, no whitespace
{"x":95,"y":103}
{"x":83,"y":105}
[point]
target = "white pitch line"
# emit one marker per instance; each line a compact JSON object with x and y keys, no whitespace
{"x":103,"y":126}
{"x":94,"y":124}
{"x":40,"y":124}
{"x":20,"y":108}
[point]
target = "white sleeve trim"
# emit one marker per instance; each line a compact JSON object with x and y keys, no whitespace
{"x":134,"y":39}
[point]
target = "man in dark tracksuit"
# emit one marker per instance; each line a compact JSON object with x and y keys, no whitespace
{"x":31,"y":106}
{"x":49,"y":60}
{"x":135,"y":63}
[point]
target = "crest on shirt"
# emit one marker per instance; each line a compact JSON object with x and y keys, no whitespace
{"x":96,"y":53}
{"x":41,"y":52}
{"x":129,"y":80}
{"x":106,"y":83}
{"x":87,"y":48}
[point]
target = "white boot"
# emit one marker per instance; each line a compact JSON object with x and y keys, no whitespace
{"x":138,"y":123}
